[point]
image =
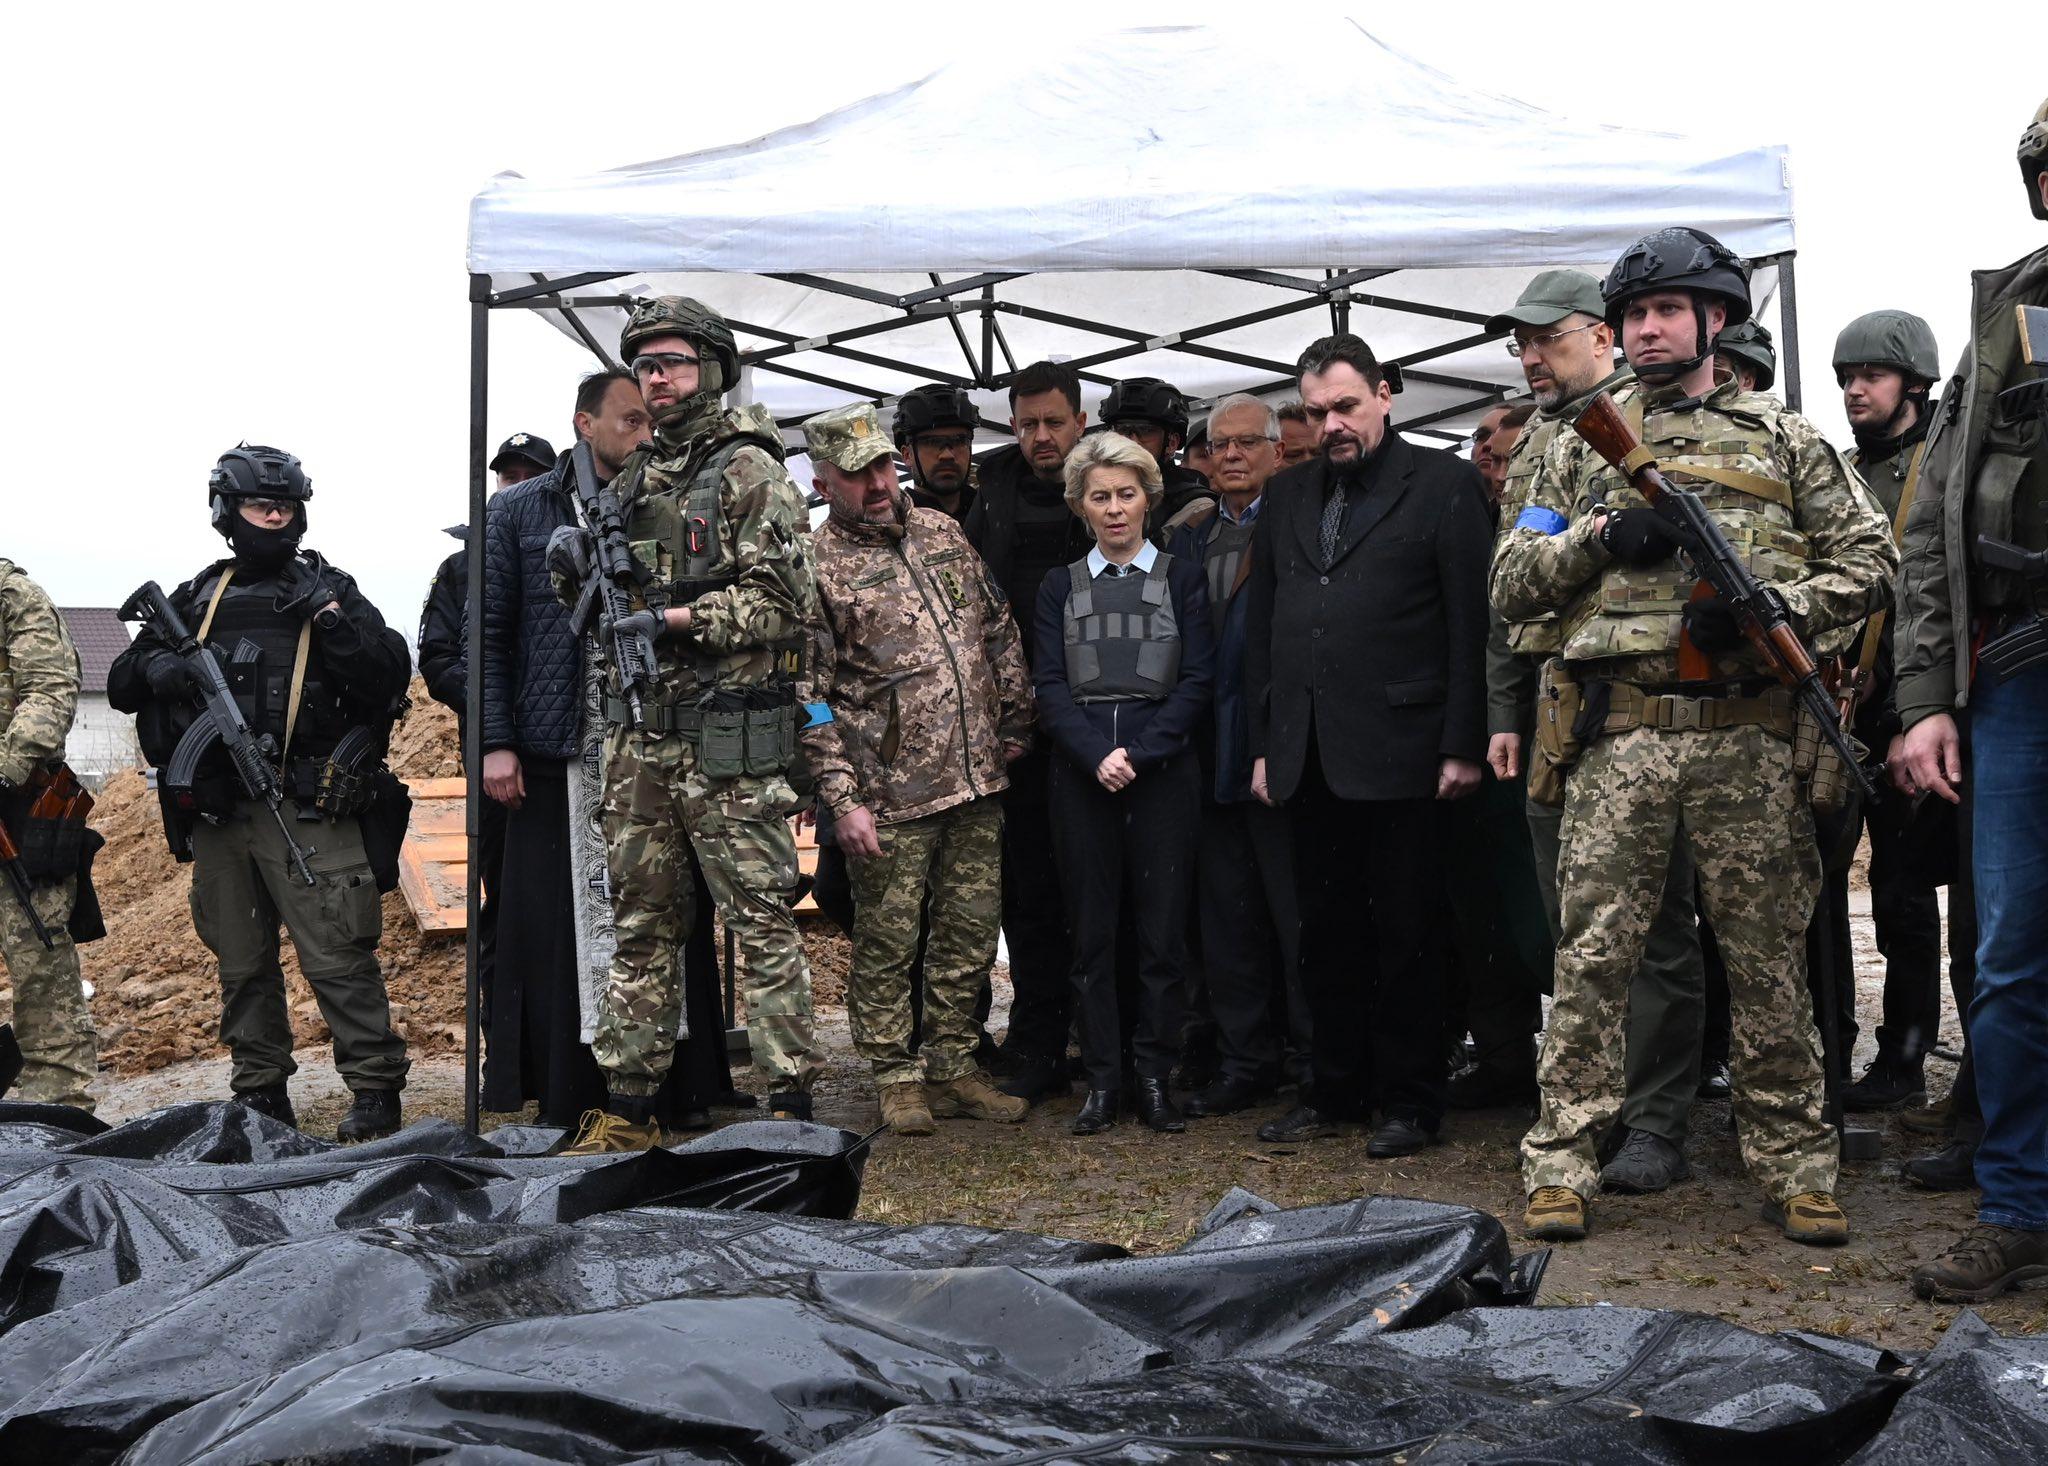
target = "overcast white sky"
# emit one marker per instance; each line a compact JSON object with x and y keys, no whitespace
{"x":248,"y":221}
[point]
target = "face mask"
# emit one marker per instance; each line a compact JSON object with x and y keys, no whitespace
{"x":264,"y":550}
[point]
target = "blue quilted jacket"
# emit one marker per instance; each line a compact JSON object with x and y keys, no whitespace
{"x":533,"y":663}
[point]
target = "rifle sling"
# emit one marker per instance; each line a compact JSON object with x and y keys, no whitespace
{"x":1873,"y":633}
{"x":291,"y":708}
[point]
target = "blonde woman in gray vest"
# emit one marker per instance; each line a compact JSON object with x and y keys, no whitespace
{"x":1122,"y":662}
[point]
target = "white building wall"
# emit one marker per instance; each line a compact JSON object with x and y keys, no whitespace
{"x":102,"y":741}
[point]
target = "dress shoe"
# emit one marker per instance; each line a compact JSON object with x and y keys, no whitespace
{"x":373,"y":1116}
{"x":1398,"y":1136}
{"x":1156,"y":1108}
{"x":273,"y":1100}
{"x":1037,"y":1080}
{"x":1303,"y":1122}
{"x":1645,"y":1163}
{"x":1098,"y":1113}
{"x":1226,"y":1096}
{"x":1483,"y":1087}
{"x":1716,"y":1083}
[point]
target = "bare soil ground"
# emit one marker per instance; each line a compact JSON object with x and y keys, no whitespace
{"x":1700,"y":1246}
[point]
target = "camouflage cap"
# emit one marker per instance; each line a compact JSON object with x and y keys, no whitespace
{"x":1549,"y":298}
{"x":848,"y":438}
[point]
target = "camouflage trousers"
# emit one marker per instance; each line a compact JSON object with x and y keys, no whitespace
{"x":657,"y":810}
{"x":1731,"y":796}
{"x":59,"y":1051}
{"x":959,"y":852}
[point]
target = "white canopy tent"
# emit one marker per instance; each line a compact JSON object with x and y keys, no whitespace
{"x":1107,"y":207}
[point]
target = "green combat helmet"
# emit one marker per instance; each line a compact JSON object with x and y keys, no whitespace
{"x":1896,"y":339}
{"x":697,"y":323}
{"x":2034,"y":159}
{"x":1751,"y":342}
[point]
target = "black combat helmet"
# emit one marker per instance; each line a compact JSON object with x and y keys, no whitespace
{"x":934,"y":405}
{"x":253,"y":471}
{"x":1685,"y":259}
{"x":2034,"y":159}
{"x":697,"y":323}
{"x":1751,"y":342}
{"x":1150,"y":400}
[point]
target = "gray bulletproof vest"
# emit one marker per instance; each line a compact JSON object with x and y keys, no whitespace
{"x":1122,"y":636}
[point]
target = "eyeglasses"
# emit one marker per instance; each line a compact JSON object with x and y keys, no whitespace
{"x":1544,"y":340}
{"x":1245,"y":443}
{"x":284,"y":507}
{"x":666,"y":363}
{"x":945,"y":442}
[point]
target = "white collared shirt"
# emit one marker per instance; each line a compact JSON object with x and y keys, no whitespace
{"x":1142,"y":561}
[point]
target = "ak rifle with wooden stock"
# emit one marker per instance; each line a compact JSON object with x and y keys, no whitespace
{"x":1759,"y":610}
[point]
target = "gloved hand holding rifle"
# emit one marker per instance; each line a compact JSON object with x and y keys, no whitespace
{"x":614,"y":575}
{"x":220,"y":719}
{"x":1758,"y":612}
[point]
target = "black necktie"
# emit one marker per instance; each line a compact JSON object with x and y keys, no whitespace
{"x":1333,"y":523}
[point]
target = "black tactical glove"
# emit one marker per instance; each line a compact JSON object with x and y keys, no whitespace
{"x":170,"y":680}
{"x":568,"y":553}
{"x":1638,"y":537}
{"x":309,"y":584}
{"x":1712,"y":626}
{"x":641,"y":623}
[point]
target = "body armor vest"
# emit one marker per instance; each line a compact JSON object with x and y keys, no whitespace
{"x":1122,"y":635}
{"x":1630,"y":611}
{"x":675,"y":532}
{"x":258,"y":646}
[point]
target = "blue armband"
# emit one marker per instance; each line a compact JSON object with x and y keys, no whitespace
{"x":817,"y":714}
{"x":1543,"y":521}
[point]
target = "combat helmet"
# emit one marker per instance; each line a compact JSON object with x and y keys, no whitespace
{"x":1897,"y":339}
{"x":704,"y":328}
{"x":2034,"y":159}
{"x":253,"y":471}
{"x":1751,"y":341}
{"x":1685,"y":259}
{"x":1147,"y":399}
{"x":934,"y":405}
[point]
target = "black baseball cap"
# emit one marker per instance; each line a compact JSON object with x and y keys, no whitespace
{"x":537,"y":451}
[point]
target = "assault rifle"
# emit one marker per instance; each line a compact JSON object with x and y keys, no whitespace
{"x":17,"y":880}
{"x":1759,"y":610}
{"x":220,"y":722}
{"x":607,"y":593}
{"x":57,"y":803}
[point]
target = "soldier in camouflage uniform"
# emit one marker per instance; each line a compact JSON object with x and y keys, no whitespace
{"x":719,"y":531}
{"x":920,"y":700}
{"x":38,"y":696}
{"x":1671,"y":755}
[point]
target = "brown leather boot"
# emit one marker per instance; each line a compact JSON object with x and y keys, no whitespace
{"x":603,"y":1133}
{"x":1982,"y":1263}
{"x":1812,"y":1217}
{"x":972,"y":1097}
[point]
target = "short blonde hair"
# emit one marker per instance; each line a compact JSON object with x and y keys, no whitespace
{"x":1111,"y":450}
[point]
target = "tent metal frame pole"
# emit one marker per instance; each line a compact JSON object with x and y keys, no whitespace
{"x":1788,"y":330}
{"x":473,"y":698}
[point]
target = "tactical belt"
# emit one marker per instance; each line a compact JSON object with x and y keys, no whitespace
{"x":1630,"y":706}
{"x":656,"y":717}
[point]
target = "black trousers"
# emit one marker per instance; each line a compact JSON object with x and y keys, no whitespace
{"x":1034,"y":915}
{"x":1141,"y":842}
{"x":491,"y":850}
{"x":1371,"y":878}
{"x":1499,"y":935}
{"x":1907,"y":916}
{"x":1250,"y":925}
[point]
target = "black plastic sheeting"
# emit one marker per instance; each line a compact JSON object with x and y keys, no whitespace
{"x":206,"y":1286}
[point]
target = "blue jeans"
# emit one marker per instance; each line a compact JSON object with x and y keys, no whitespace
{"x":2009,"y":1013}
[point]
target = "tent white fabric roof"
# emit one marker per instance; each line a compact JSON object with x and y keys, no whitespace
{"x":1109,"y":208}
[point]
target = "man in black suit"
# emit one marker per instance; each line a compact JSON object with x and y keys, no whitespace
{"x":1366,"y":679}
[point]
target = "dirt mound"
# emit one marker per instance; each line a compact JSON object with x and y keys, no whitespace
{"x":156,"y":988}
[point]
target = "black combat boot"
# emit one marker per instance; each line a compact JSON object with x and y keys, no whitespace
{"x":1892,"y":1082}
{"x":273,"y":1100}
{"x":789,"y":1104}
{"x":373,"y":1116}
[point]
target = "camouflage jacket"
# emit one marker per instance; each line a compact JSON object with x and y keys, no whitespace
{"x":917,"y":656}
{"x":1827,"y":547}
{"x":761,"y":546}
{"x":38,"y":676}
{"x":1972,"y":483}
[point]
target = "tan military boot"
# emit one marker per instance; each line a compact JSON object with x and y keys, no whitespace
{"x":972,"y":1097}
{"x":603,"y":1133}
{"x":1555,"y":1214}
{"x":904,"y":1110}
{"x":1812,"y":1217}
